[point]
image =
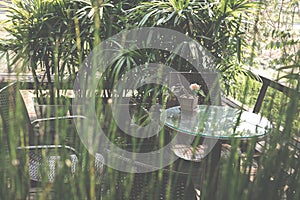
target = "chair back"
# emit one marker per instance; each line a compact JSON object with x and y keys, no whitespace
{"x":157,"y":183}
{"x":15,"y":119}
{"x":14,"y":129}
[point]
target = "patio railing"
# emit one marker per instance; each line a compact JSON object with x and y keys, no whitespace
{"x":28,"y":83}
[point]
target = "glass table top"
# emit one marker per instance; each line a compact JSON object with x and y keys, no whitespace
{"x":216,"y":122}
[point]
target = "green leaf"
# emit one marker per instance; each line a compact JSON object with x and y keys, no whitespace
{"x":290,"y":67}
{"x":291,"y":76}
{"x":146,"y":17}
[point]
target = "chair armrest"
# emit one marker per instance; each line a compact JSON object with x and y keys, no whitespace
{"x":35,"y":122}
{"x":47,"y":130}
{"x":48,"y":147}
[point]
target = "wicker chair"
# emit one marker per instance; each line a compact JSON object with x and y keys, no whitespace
{"x":155,"y":184}
{"x":162,"y":184}
{"x":44,"y":161}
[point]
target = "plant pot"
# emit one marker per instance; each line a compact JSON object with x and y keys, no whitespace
{"x":188,"y":103}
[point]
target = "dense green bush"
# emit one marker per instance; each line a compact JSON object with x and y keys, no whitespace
{"x":45,"y":39}
{"x":220,"y":27}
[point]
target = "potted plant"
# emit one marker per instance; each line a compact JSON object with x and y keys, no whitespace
{"x":188,"y":101}
{"x":44,"y":38}
{"x":188,"y":97}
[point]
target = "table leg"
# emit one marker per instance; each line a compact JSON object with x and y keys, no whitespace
{"x":213,"y":171}
{"x":205,"y":174}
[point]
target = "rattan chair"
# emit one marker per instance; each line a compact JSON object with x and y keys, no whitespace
{"x":39,"y":162}
{"x":156,"y":184}
{"x":160,"y":184}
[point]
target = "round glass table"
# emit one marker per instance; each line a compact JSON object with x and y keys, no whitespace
{"x":218,"y":122}
{"x":215,"y":124}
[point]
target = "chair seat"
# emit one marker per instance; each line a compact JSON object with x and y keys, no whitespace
{"x":39,"y":165}
{"x":197,"y":154}
{"x":190,"y":153}
{"x":50,"y":165}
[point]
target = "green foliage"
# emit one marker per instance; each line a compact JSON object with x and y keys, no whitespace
{"x":53,"y":37}
{"x":288,"y":64}
{"x":218,"y":26}
{"x":43,"y":39}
